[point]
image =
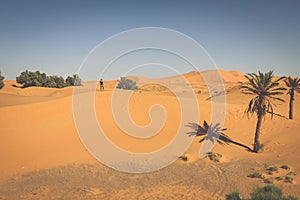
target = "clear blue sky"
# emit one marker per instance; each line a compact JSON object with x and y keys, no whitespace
{"x":55,"y":36}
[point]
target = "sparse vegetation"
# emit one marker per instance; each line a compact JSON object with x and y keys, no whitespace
{"x":292,"y":173}
{"x":38,"y":79}
{"x":272,"y":169}
{"x":1,"y":81}
{"x":127,"y":84}
{"x":293,"y":85}
{"x":214,"y":156}
{"x":269,"y":192}
{"x":255,"y":175}
{"x":286,"y":167}
{"x":288,"y":179}
{"x":265,"y":89}
{"x":268,"y":180}
{"x":268,"y":177}
{"x":233,"y":196}
{"x":184,"y":158}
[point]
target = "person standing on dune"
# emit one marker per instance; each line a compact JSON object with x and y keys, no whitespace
{"x":101,"y":84}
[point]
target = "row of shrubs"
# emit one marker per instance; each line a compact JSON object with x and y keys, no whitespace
{"x":38,"y":79}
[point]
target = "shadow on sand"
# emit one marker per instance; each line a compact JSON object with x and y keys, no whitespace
{"x":17,"y":86}
{"x":213,"y":133}
{"x":278,"y":115}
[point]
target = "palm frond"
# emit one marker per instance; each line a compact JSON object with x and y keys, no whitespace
{"x":277,"y":99}
{"x":293,"y":84}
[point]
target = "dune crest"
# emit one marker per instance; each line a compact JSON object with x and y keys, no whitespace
{"x":196,"y":77}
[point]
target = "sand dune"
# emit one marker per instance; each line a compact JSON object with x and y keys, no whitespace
{"x":197,"y":77}
{"x":41,"y":153}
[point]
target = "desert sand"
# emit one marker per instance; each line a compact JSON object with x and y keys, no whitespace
{"x":42,"y":156}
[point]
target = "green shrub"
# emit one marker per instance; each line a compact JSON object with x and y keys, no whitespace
{"x":214,"y":156}
{"x":255,"y":175}
{"x":28,"y":79}
{"x":269,"y":192}
{"x":285,"y":167}
{"x":292,"y":173}
{"x":73,"y":80}
{"x":290,"y":197}
{"x":127,"y":84}
{"x":1,"y":81}
{"x":233,"y":196}
{"x":268,"y":181}
{"x":272,"y":169}
{"x":288,"y":179}
{"x":55,"y":82}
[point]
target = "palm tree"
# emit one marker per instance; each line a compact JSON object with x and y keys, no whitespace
{"x":294,"y":85}
{"x":265,"y":89}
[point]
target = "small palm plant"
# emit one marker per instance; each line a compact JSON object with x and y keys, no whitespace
{"x":265,"y":89}
{"x":293,"y":85}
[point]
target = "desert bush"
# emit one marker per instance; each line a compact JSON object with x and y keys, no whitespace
{"x":184,"y":158}
{"x":73,"y":80}
{"x":286,"y":167}
{"x":214,"y":156}
{"x":233,"y":196}
{"x":269,"y":192}
{"x":55,"y":82}
{"x":38,"y":79}
{"x":255,"y":175}
{"x":288,"y":179}
{"x":268,"y":180}
{"x":28,"y":78}
{"x":291,"y":173}
{"x":272,"y":169}
{"x":1,"y":81}
{"x":127,"y":84}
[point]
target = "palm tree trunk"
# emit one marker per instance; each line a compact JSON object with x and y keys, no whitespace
{"x":257,"y":133}
{"x":291,"y":104}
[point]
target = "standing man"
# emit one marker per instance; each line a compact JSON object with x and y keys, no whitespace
{"x":101,"y":84}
